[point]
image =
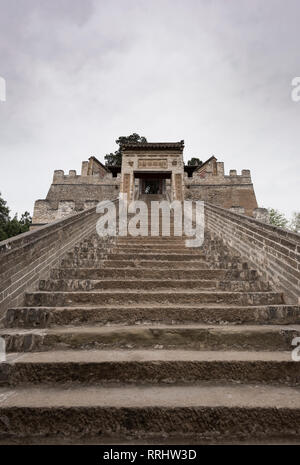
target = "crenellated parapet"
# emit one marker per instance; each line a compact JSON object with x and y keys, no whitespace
{"x":213,"y":172}
{"x":72,"y":192}
{"x":59,"y":177}
{"x":210,"y":183}
{"x":148,"y":164}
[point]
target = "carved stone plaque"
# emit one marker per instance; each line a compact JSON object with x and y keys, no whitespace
{"x":158,"y":163}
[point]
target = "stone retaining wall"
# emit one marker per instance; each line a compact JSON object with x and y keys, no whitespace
{"x":28,"y":257}
{"x":274,"y":252}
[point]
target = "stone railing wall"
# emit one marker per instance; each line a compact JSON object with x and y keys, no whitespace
{"x":273,"y":251}
{"x":28,"y":257}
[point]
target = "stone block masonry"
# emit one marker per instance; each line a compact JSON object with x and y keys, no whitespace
{"x":209,"y":183}
{"x":27,"y":258}
{"x":72,"y":193}
{"x":155,"y":166}
{"x":274,"y":252}
{"x":153,"y":340}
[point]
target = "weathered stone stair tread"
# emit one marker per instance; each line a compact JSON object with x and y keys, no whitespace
{"x":209,"y":270}
{"x":162,"y":291}
{"x":155,"y":367}
{"x":137,"y":328}
{"x":123,"y":272}
{"x":199,"y":306}
{"x":159,"y":336}
{"x":101,"y":356}
{"x":206,"y":395}
{"x":126,"y":255}
{"x":150,"y":280}
{"x":159,"y":262}
{"x":156,"y":248}
{"x":144,"y":337}
{"x":176,"y":296}
{"x":69,"y":285}
{"x":153,"y":264}
{"x":159,"y":256}
{"x":145,"y":280}
{"x":186,"y":254}
{"x":218,"y":314}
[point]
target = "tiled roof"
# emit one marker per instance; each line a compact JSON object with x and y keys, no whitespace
{"x":153,"y":145}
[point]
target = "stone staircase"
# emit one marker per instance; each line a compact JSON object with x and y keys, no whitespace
{"x":150,"y":341}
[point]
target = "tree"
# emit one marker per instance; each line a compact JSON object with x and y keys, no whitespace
{"x":4,"y":218}
{"x":4,"y":211}
{"x":25,"y":221}
{"x":11,"y":227}
{"x":277,"y":218}
{"x":115,"y":159}
{"x":194,"y":162}
{"x":295,"y":222}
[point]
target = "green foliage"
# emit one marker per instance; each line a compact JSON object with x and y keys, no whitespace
{"x":115,"y":159}
{"x":4,"y":211}
{"x":194,"y":162}
{"x":11,"y":227}
{"x":295,"y":222}
{"x":277,"y":218}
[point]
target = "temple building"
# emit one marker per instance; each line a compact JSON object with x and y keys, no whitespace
{"x":155,"y":168}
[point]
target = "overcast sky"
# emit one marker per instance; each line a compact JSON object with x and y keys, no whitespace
{"x":80,"y":73}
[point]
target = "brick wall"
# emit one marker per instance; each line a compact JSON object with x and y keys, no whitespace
{"x":74,"y":193}
{"x":26,"y":258}
{"x":209,"y":183}
{"x":274,"y":252}
{"x":226,"y":196}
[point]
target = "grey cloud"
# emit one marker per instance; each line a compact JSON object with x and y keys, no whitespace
{"x":216,"y":73}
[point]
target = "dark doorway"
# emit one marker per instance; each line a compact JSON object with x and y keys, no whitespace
{"x":151,"y":186}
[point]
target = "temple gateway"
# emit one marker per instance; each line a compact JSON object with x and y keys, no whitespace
{"x":151,"y":168}
{"x":134,"y":337}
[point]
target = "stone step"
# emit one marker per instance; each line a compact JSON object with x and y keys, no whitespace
{"x":208,"y":411}
{"x":128,"y":297}
{"x":128,"y":284}
{"x":150,"y":239}
{"x":158,"y":264}
{"x":187,"y":337}
{"x":138,"y":248}
{"x":193,"y":253}
{"x":155,"y":247}
{"x":137,"y":256}
{"x":195,"y":256}
{"x":160,"y":241}
{"x":148,"y":284}
{"x":147,"y":273}
{"x":148,"y":367}
{"x":41,"y":317}
{"x":165,"y":233}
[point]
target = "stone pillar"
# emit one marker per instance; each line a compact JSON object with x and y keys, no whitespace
{"x":177,"y":187}
{"x":127,"y":186}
